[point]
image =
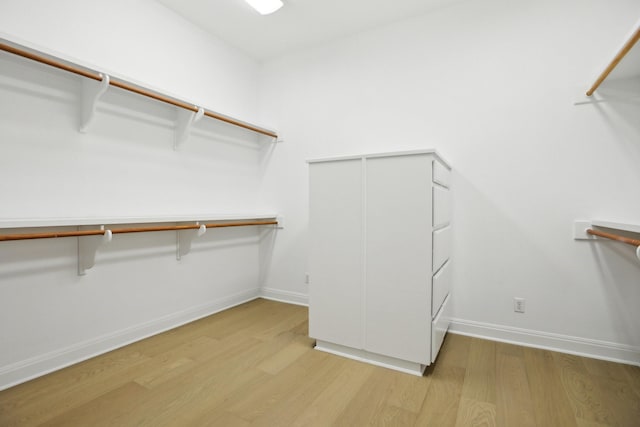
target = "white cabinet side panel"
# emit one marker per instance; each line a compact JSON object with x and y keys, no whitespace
{"x":398,"y":247}
{"x":335,"y":252}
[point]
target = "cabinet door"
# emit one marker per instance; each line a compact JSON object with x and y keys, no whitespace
{"x":398,"y":257}
{"x":335,"y":252}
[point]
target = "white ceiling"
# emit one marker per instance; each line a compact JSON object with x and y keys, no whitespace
{"x":299,"y":23}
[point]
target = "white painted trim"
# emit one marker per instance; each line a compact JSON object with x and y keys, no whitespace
{"x":400,"y":365}
{"x":34,"y":367}
{"x":595,"y":349}
{"x":297,"y":298}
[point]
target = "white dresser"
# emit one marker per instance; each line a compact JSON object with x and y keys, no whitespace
{"x":379,"y":265}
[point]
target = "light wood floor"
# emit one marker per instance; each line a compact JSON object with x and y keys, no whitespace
{"x":254,"y":365}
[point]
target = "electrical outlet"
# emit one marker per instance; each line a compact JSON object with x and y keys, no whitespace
{"x":518,"y":305}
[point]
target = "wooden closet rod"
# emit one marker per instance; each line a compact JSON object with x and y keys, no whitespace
{"x":628,"y":241}
{"x":625,"y":49}
{"x":51,"y":235}
{"x":131,"y":88}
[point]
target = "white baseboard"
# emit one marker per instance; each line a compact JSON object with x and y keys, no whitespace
{"x":405,"y":366}
{"x":562,"y":343}
{"x":34,"y":367}
{"x":289,"y":297}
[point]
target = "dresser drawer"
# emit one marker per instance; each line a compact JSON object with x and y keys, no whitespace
{"x":441,"y":247}
{"x":439,"y":327}
{"x":441,"y":174}
{"x":441,"y":206}
{"x":441,"y":287}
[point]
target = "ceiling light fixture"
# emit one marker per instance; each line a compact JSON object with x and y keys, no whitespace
{"x":265,"y":7}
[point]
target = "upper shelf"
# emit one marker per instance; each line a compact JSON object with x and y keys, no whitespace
{"x":633,"y":228}
{"x":68,"y":222}
{"x":631,"y":65}
{"x":95,"y":84}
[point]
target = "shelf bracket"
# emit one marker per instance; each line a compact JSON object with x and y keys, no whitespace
{"x":92,"y":90}
{"x":87,"y":248}
{"x":184,"y":239}
{"x":185,"y":119}
{"x":580,"y":230}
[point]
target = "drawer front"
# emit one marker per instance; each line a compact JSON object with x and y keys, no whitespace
{"x":440,"y":325}
{"x":441,"y":287}
{"x":441,"y":206}
{"x":441,"y":174}
{"x":441,"y":247}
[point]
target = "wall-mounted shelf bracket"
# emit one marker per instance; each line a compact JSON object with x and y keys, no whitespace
{"x":581,"y":98}
{"x":184,"y":239}
{"x":185,"y":119}
{"x":580,"y":228}
{"x":92,"y":90}
{"x":87,"y":248}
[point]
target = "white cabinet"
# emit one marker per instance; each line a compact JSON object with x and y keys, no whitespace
{"x":379,"y":264}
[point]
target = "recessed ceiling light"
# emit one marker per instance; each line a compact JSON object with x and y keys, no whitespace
{"x":265,"y":7}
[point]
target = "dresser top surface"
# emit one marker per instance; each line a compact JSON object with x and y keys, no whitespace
{"x":432,"y":152}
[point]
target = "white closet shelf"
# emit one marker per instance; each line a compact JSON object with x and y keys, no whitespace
{"x":633,"y":228}
{"x":96,"y":84}
{"x":588,"y":230}
{"x":580,"y":227}
{"x":89,"y":240}
{"x":630,"y":41}
{"x":83,"y":221}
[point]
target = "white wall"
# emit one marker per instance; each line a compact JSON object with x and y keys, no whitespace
{"x":124,"y":166}
{"x":491,"y":85}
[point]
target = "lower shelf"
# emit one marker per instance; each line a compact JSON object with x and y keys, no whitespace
{"x":372,"y":358}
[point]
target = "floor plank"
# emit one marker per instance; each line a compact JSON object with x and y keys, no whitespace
{"x":336,"y":395}
{"x":480,"y":376}
{"x":473,"y":412}
{"x":584,"y":397}
{"x":513,"y":398}
{"x":440,"y":406}
{"x":118,"y":404}
{"x":550,"y":403}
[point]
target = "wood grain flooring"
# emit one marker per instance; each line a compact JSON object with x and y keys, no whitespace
{"x":254,"y":365}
